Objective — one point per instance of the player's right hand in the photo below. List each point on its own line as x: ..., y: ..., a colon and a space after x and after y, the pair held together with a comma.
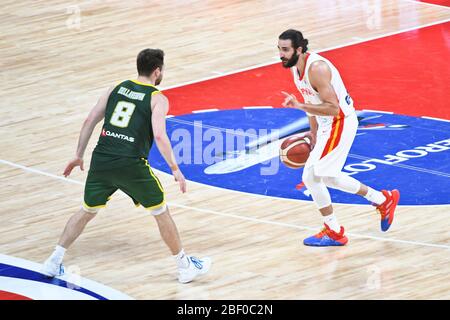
x: 76, y: 162
x: 312, y: 138
x: 290, y: 100
x: 180, y: 179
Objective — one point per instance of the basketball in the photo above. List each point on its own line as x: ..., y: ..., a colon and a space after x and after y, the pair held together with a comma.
x: 294, y: 151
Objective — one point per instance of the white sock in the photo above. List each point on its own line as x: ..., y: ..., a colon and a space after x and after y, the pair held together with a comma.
x: 182, y: 259
x: 58, y: 255
x: 332, y: 222
x: 375, y: 196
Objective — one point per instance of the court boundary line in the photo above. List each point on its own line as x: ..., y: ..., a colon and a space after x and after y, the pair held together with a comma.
x: 384, y: 35
x: 427, y: 4
x: 258, y: 220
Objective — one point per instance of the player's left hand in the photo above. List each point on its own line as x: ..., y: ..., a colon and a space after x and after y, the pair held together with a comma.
x: 76, y: 162
x: 290, y: 101
x: 179, y: 177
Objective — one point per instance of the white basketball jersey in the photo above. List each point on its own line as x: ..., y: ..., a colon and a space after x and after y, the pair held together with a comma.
x: 312, y: 96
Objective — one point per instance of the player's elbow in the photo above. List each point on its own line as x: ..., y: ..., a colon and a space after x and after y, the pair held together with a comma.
x: 159, y: 136
x: 90, y: 122
x: 93, y: 118
x: 334, y: 110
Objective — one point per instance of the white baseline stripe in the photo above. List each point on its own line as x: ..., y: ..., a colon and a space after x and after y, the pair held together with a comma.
x: 318, y: 51
x: 245, y: 218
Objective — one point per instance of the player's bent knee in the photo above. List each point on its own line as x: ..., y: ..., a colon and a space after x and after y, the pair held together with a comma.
x: 157, y: 211
x: 343, y: 182
x: 331, y: 182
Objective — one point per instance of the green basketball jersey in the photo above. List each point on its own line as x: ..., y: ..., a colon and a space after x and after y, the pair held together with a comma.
x: 127, y: 130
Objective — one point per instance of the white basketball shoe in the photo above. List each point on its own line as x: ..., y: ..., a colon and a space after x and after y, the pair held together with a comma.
x: 52, y: 269
x: 197, y: 267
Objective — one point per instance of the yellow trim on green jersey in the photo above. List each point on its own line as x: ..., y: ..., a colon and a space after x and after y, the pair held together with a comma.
x: 154, y: 177
x: 155, y: 92
x: 94, y: 207
x: 144, y: 84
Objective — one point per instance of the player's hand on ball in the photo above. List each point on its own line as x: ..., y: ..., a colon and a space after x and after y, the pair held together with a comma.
x: 312, y: 139
x: 180, y: 179
x: 76, y: 162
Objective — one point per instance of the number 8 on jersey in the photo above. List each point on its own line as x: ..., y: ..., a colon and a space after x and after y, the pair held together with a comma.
x: 122, y: 114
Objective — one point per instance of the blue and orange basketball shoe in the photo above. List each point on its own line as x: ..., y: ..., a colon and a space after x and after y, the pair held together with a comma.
x: 327, y: 238
x: 387, y: 208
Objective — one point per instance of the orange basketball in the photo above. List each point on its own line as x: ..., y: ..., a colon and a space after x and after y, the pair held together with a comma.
x: 294, y: 151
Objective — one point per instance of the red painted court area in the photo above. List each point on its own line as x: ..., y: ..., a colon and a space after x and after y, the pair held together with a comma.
x: 4, y: 295
x: 407, y: 73
x: 439, y: 2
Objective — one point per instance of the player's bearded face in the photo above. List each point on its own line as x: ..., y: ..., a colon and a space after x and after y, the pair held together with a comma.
x: 289, y: 63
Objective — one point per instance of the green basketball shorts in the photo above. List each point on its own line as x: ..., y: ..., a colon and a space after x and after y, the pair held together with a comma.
x: 137, y: 180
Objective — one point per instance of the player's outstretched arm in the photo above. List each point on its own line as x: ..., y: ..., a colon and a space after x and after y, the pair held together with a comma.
x: 95, y: 116
x: 160, y: 107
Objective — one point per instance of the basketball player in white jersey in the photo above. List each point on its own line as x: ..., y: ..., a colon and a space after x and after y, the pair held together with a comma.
x: 333, y: 124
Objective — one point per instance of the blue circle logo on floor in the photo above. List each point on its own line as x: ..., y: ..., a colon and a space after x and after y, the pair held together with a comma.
x: 238, y: 150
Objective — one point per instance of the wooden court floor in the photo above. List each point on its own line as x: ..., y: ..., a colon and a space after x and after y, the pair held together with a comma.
x: 56, y: 57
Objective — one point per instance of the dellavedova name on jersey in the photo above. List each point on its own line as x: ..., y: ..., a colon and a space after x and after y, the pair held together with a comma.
x: 131, y: 94
x: 116, y: 135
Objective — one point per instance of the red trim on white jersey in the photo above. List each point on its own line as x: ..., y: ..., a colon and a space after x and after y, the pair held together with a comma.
x: 302, y: 75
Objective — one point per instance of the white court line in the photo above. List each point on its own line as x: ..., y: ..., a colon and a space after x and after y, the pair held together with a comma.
x: 427, y: 4
x: 51, y: 175
x: 258, y: 107
x: 378, y: 111
x: 319, y: 51
x: 281, y: 224
x: 204, y: 110
x: 437, y: 119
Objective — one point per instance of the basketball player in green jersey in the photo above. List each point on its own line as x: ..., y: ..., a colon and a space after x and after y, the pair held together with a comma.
x: 135, y: 114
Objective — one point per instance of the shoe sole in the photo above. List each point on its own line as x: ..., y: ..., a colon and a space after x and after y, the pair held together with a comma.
x: 328, y: 245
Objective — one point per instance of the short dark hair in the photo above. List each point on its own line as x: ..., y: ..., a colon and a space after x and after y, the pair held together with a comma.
x: 148, y: 60
x: 296, y: 38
